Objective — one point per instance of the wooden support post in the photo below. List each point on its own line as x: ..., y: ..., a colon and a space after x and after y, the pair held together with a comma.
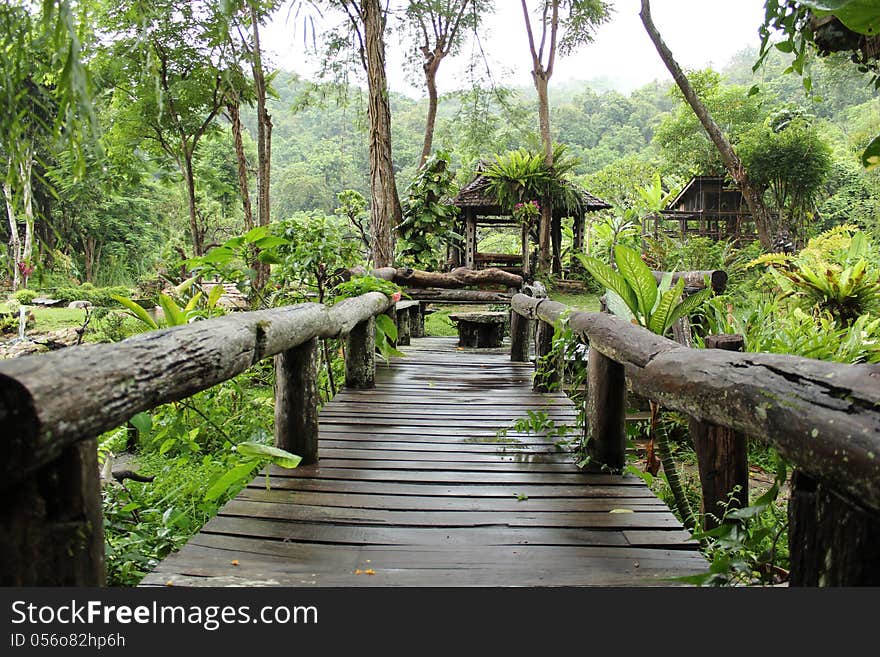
x: 403, y: 326
x: 520, y: 331
x: 831, y: 541
x: 360, y: 356
x: 470, y: 240
x: 131, y: 437
x: 606, y: 412
x: 548, y: 370
x: 722, y: 455
x: 296, y: 401
x: 53, y: 525
x: 416, y: 321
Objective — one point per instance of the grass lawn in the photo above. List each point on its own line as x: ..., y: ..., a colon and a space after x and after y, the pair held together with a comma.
x: 52, y: 319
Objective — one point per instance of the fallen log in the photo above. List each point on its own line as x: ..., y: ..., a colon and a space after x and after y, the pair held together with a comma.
x: 440, y: 295
x: 460, y: 277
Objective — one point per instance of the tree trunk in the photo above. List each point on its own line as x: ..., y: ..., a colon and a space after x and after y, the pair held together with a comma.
x: 545, y: 227
x: 264, y: 140
x: 431, y: 80
x: 14, y: 237
x: 241, y: 160
x: 195, y: 229
x: 27, y: 250
x: 385, y: 211
x: 752, y: 195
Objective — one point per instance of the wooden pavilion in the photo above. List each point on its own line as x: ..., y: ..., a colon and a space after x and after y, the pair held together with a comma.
x: 480, y: 208
x: 708, y: 206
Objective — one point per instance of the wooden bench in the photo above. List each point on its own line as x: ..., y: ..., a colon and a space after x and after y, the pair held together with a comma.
x: 480, y: 329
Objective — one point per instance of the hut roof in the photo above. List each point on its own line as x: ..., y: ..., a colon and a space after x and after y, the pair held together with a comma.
x: 720, y: 182
x: 476, y: 195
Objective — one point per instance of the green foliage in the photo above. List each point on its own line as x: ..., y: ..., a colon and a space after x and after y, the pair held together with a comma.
x: 25, y: 296
x: 429, y: 215
x: 835, y: 275
x: 787, y: 156
x: 749, y: 546
x: 635, y: 285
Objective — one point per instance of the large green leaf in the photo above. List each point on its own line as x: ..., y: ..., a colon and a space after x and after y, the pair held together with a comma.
x: 228, y: 479
x: 661, y: 319
x: 611, y: 279
x: 143, y: 422
x: 174, y: 316
x: 277, y: 455
x: 689, y: 305
x: 871, y: 156
x: 639, y: 277
x: 136, y: 310
x: 387, y: 326
x: 860, y: 16
x: 216, y: 292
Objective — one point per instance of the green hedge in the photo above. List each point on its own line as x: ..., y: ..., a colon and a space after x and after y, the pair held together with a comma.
x: 98, y: 296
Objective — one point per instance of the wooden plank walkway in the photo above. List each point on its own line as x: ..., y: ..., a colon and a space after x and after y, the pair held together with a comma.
x: 415, y: 488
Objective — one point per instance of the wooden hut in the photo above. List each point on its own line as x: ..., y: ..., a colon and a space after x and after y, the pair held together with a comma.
x: 480, y: 208
x: 709, y: 206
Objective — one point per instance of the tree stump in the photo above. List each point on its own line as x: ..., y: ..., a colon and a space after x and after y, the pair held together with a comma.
x: 480, y: 329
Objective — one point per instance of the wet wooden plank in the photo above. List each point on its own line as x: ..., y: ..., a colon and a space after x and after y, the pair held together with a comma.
x: 423, y: 481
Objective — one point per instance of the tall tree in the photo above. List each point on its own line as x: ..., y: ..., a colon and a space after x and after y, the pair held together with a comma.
x: 752, y: 194
x: 564, y: 26
x: 168, y: 56
x: 367, y: 20
x: 438, y: 26
x: 244, y: 32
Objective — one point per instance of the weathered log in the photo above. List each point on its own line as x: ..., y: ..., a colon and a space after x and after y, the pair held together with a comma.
x: 831, y: 541
x: 458, y: 296
x: 52, y: 523
x: 821, y: 416
x: 403, y: 326
x: 697, y: 279
x: 605, y: 429
x: 417, y: 320
x: 296, y: 401
x: 106, y: 384
x: 360, y: 356
x: 520, y: 332
x: 722, y: 455
x: 459, y: 277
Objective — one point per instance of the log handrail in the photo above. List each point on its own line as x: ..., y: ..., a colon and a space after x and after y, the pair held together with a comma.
x: 106, y: 384
x: 823, y: 417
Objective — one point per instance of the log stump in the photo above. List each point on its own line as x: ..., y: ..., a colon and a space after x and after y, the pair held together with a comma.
x: 481, y: 330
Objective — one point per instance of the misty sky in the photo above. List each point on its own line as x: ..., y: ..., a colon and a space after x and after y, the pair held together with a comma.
x: 699, y: 33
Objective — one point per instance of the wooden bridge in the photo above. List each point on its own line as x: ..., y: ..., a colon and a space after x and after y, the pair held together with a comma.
x: 414, y: 487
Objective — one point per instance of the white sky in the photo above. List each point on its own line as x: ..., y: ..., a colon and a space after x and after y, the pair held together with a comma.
x: 699, y: 33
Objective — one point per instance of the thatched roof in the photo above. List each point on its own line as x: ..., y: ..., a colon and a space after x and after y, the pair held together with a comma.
x: 476, y: 195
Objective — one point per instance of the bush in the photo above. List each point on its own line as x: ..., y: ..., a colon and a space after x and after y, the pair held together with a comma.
x: 25, y: 296
x: 97, y: 296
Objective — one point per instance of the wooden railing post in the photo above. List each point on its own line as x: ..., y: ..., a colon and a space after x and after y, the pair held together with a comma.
x: 404, y: 329
x: 831, y: 541
x: 296, y: 401
x: 606, y: 411
x: 520, y: 332
x: 417, y: 321
x: 548, y: 367
x: 722, y: 455
x: 360, y: 356
x: 53, y: 525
